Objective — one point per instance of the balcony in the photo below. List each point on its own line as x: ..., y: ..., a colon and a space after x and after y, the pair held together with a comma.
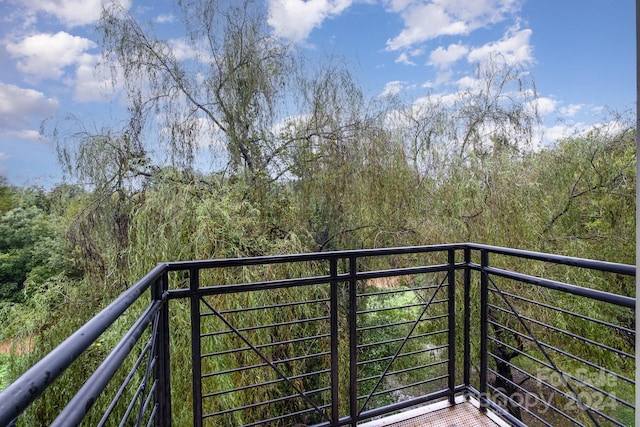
x: 462, y: 334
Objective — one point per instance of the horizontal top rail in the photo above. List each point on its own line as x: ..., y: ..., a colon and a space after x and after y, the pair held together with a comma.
x: 624, y: 269
x: 594, y: 294
x: 312, y: 256
x: 612, y: 267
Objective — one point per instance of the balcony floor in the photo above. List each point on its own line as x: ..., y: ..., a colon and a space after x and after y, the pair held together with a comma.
x: 463, y: 414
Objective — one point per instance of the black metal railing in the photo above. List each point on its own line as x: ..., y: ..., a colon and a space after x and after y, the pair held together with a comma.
x: 338, y: 338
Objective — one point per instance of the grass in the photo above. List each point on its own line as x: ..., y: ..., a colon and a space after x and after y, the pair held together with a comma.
x: 4, y: 370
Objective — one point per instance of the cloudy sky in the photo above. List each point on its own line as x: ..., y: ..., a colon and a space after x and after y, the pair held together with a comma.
x: 581, y: 54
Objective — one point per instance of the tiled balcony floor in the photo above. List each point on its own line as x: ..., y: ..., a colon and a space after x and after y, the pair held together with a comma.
x: 463, y: 414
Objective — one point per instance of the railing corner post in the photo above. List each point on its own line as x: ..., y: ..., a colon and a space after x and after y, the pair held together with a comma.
x: 162, y: 372
x: 484, y: 327
x: 452, y: 325
x: 467, y: 318
x: 194, y: 285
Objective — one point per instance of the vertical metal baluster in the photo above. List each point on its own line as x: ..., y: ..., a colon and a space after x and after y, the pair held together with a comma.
x: 335, y: 377
x: 353, y: 341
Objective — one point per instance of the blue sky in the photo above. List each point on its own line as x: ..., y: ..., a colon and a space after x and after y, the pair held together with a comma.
x: 581, y: 54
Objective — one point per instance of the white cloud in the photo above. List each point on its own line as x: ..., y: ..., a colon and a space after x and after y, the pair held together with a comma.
x: 398, y: 5
x: 72, y: 12
x: 444, y: 99
x: 444, y: 57
x: 165, y: 18
x: 424, y: 22
x: 53, y: 56
x: 514, y: 48
x: 427, y: 20
x: 93, y: 80
x: 47, y: 55
x: 481, y: 12
x: 403, y: 58
x: 469, y: 83
x: 543, y: 105
x: 553, y: 134
x: 392, y: 88
x: 443, y: 77
x: 19, y: 105
x: 567, y: 128
x: 295, y: 19
x: 20, y: 108
x: 571, y: 110
x: 26, y: 134
x: 183, y: 49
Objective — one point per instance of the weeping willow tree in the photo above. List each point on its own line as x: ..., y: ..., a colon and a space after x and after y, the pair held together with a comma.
x: 395, y: 172
x: 222, y: 82
x: 224, y: 87
x: 218, y: 87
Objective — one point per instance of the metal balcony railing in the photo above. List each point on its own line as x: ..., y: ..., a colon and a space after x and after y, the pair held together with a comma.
x: 338, y: 338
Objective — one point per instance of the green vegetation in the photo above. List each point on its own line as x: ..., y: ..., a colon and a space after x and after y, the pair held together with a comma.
x: 4, y: 371
x: 336, y: 172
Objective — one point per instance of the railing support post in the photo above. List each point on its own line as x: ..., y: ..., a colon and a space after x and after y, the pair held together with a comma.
x: 467, y: 317
x: 162, y: 371
x: 335, y: 362
x: 484, y: 329
x: 194, y: 285
x: 451, y: 291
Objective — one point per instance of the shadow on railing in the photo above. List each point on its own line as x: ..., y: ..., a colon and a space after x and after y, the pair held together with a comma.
x: 337, y: 338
